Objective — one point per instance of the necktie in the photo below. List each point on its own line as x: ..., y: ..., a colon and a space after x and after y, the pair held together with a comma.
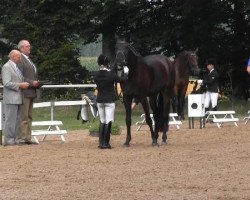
x: 32, y: 64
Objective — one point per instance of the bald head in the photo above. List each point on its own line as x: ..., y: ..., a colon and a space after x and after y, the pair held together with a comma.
x: 15, y: 56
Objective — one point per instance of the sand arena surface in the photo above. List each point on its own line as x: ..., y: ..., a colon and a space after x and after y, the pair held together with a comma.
x: 197, y: 164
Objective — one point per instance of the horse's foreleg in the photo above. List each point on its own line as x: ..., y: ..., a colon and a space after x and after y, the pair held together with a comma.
x: 182, y: 107
x: 182, y: 102
x: 179, y: 105
x: 128, y: 124
x: 127, y: 103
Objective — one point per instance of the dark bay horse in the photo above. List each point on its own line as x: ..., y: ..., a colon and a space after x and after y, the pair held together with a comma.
x: 185, y: 64
x: 152, y: 76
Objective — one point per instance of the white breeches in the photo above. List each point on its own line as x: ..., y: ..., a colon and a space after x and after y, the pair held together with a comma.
x: 211, y: 97
x: 106, y: 112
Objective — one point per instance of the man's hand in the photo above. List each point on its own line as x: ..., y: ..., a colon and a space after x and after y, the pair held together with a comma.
x: 24, y: 85
x: 35, y: 84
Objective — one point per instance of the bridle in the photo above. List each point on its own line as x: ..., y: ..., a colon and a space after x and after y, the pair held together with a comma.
x: 122, y: 58
x: 192, y: 70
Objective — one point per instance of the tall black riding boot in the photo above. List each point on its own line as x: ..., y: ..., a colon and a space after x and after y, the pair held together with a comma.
x: 106, y: 138
x: 215, y: 108
x: 101, y: 134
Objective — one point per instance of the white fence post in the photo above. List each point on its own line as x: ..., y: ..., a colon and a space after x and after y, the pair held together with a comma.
x: 52, y: 110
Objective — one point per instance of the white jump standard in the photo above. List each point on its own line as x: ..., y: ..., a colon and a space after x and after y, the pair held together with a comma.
x: 172, y: 121
x: 51, y: 128
x: 220, y: 117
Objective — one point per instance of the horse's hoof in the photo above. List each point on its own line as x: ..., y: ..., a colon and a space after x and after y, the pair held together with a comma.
x: 155, y: 144
x: 164, y: 143
x: 126, y: 144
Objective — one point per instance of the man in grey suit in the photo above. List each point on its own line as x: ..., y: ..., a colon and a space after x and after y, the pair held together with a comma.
x: 12, y: 97
x: 29, y: 72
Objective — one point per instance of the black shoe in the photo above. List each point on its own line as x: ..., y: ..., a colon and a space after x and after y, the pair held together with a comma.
x: 106, y: 146
x: 7, y: 144
x: 29, y: 142
x: 21, y: 144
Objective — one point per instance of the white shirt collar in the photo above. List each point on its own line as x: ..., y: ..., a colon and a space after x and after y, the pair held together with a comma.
x: 211, y: 70
x: 104, y: 68
x: 25, y: 55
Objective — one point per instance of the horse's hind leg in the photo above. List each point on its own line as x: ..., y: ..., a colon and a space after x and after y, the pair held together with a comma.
x: 145, y: 106
x: 164, y: 135
x: 166, y: 109
x: 127, y: 103
x: 154, y: 133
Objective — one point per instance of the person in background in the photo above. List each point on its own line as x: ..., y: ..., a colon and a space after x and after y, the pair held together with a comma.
x: 13, y: 85
x: 248, y: 66
x: 105, y: 80
x: 30, y: 75
x: 211, y: 85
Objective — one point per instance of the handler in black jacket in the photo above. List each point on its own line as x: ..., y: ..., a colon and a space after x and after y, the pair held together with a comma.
x: 105, y: 80
x: 211, y: 83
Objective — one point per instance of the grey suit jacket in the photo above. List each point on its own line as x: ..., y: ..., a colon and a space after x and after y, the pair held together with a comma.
x: 12, y: 94
x: 30, y: 75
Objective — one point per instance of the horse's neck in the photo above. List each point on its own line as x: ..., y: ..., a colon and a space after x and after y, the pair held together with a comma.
x: 182, y: 65
x: 182, y: 71
x: 133, y: 61
x: 141, y: 66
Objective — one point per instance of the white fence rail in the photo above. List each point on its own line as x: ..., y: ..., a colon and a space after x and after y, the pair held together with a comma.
x: 51, y: 103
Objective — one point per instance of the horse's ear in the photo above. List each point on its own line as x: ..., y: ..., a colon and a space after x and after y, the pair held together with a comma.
x: 119, y: 39
x: 196, y: 50
x: 128, y: 38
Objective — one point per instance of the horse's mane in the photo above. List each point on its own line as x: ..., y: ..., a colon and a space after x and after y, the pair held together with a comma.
x: 133, y: 50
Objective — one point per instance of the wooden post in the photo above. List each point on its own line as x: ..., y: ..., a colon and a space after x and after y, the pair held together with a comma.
x: 1, y: 116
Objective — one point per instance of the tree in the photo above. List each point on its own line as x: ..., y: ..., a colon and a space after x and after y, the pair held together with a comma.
x: 53, y: 28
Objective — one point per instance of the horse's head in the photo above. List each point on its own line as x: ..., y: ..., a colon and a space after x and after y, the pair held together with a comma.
x: 121, y: 53
x: 192, y: 60
x: 125, y: 55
